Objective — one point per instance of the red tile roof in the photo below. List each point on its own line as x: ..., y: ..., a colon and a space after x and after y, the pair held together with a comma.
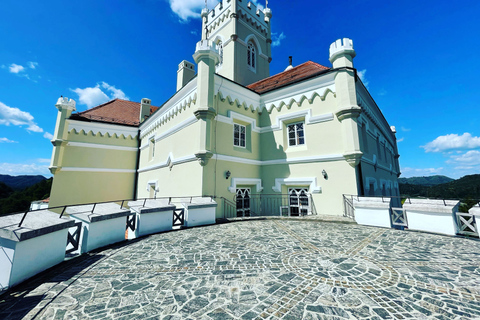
x: 116, y: 111
x: 305, y: 70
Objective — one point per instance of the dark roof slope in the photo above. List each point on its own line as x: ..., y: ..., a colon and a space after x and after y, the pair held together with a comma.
x: 305, y: 70
x: 116, y: 111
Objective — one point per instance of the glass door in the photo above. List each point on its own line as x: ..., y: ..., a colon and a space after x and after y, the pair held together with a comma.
x: 243, y: 202
x: 298, y: 201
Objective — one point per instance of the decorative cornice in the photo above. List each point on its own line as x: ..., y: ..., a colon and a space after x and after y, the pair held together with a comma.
x: 245, y: 181
x: 203, y: 157
x: 182, y: 100
x: 102, y: 128
x: 311, y: 181
x: 205, y: 113
x: 353, y: 158
x: 348, y: 113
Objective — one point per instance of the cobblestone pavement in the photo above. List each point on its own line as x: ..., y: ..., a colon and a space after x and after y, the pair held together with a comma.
x: 262, y: 269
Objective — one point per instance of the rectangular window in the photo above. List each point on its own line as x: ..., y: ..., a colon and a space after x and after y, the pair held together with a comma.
x: 239, y: 135
x: 296, y: 134
x: 152, y: 148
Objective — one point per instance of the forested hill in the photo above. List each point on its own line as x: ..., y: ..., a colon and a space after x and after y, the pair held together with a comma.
x: 426, y: 181
x: 15, y: 201
x: 467, y: 187
x: 20, y: 182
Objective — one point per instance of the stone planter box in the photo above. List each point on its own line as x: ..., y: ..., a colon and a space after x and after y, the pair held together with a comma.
x: 432, y: 215
x: 199, y: 212
x: 37, y: 245
x: 104, y: 226
x: 372, y: 211
x: 152, y: 216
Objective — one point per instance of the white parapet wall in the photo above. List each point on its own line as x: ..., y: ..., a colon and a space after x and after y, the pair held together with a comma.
x: 199, y: 211
x: 432, y: 215
x: 102, y: 224
x: 37, y: 245
x: 475, y: 211
x: 152, y: 216
x: 372, y: 211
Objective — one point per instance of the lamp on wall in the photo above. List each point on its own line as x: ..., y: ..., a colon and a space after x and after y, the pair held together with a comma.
x: 228, y: 174
x: 325, y: 175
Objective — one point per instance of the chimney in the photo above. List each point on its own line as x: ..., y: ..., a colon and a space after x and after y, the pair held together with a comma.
x: 290, y: 65
x: 185, y: 73
x: 145, y: 109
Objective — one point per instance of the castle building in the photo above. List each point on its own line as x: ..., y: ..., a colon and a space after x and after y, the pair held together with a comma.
x: 231, y: 130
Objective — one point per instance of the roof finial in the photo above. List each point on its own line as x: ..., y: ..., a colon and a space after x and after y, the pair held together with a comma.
x: 206, y: 4
x: 266, y: 4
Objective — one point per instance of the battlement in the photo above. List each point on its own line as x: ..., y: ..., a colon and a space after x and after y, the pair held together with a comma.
x: 340, y: 46
x: 242, y: 5
x: 64, y: 102
x: 204, y: 45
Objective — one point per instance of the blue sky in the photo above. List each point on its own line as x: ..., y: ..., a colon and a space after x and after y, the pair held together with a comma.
x: 418, y: 59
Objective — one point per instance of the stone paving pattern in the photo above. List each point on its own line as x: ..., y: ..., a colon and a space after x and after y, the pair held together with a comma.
x: 262, y: 269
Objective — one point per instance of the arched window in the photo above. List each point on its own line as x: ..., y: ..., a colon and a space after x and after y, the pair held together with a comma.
x: 251, y: 56
x: 220, y: 52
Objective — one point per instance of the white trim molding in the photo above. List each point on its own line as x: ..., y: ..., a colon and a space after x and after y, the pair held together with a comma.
x: 100, y: 146
x: 322, y: 158
x: 245, y: 181
x: 104, y: 170
x: 170, y: 162
x: 152, y: 183
x: 312, y: 182
x: 305, y: 114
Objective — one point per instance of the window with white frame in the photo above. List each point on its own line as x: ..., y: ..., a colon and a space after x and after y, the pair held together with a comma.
x: 251, y: 56
x: 239, y: 134
x: 296, y: 135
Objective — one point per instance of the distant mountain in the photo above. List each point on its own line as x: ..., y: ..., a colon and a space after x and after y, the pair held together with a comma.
x: 19, y: 201
x: 425, y: 181
x: 20, y: 182
x: 465, y: 189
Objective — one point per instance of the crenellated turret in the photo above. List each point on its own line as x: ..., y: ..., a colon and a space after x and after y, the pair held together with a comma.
x: 65, y: 108
x: 341, y: 57
x: 243, y: 32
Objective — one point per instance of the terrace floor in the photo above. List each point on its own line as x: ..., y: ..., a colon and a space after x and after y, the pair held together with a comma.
x: 262, y: 269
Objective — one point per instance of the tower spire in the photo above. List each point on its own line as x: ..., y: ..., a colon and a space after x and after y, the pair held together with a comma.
x: 266, y: 4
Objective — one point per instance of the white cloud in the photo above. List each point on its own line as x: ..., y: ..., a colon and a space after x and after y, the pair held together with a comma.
x: 94, y: 96
x: 6, y: 140
x: 400, y: 140
x: 17, y: 117
x: 186, y: 9
x: 32, y: 65
x: 470, y: 158
x: 361, y: 75
x: 415, y: 172
x: 405, y: 129
x: 452, y: 142
x: 48, y: 135
x: 16, y: 68
x: 37, y: 166
x: 277, y: 40
x: 115, y: 93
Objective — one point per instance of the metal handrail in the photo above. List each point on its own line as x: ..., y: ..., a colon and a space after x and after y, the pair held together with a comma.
x: 64, y: 207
